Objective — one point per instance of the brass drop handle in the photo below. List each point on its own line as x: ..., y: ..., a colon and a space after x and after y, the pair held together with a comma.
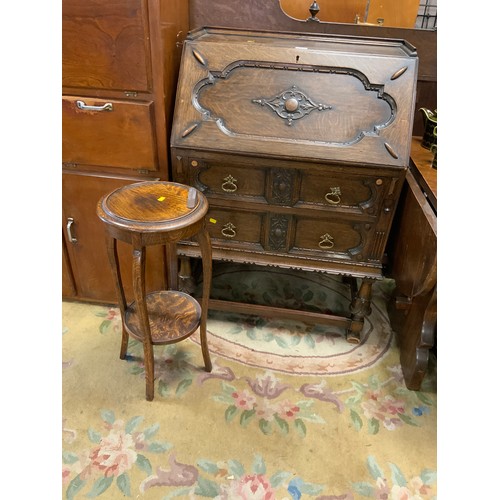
x: 105, y: 107
x: 229, y: 184
x: 333, y: 196
x: 229, y: 230
x: 326, y: 242
x: 69, y: 223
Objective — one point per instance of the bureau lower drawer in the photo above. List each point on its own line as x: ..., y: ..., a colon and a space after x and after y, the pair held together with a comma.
x: 328, y: 237
x: 110, y: 133
x: 282, y: 233
x: 236, y: 228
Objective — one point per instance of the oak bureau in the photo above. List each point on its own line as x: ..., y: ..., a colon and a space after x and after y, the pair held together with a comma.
x: 301, y: 143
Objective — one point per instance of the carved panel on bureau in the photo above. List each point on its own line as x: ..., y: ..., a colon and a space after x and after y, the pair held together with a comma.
x: 300, y: 143
x: 282, y: 182
x: 278, y: 232
x: 228, y: 97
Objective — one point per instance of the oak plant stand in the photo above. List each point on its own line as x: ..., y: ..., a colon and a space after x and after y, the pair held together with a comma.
x: 157, y: 213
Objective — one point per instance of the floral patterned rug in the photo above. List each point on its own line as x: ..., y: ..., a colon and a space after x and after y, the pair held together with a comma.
x: 289, y: 411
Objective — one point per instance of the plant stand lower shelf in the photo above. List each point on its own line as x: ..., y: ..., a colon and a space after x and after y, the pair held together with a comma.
x: 173, y: 316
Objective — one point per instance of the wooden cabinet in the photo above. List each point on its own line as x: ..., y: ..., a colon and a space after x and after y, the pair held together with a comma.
x: 413, y: 256
x: 85, y: 245
x: 301, y: 144
x: 120, y: 62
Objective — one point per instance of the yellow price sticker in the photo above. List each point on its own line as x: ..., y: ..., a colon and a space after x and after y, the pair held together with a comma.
x: 213, y: 221
x: 161, y: 198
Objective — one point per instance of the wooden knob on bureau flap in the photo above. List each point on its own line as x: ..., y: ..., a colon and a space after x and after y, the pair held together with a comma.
x: 291, y: 104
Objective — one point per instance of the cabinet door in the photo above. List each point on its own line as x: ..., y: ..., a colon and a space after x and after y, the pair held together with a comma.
x: 84, y: 233
x: 120, y: 137
x: 105, y: 45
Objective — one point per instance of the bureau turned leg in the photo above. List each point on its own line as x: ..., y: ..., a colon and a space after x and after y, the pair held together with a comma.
x: 171, y: 264
x: 187, y: 283
x: 360, y: 308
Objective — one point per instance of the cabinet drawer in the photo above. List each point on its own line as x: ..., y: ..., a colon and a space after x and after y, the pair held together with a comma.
x: 105, y: 45
x: 225, y: 178
x: 236, y: 228
x: 359, y: 194
x: 117, y: 134
x: 329, y: 237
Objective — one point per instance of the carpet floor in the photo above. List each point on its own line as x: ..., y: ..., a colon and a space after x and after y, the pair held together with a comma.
x: 289, y: 410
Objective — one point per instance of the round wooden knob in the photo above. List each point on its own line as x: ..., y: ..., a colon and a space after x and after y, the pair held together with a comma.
x: 291, y: 105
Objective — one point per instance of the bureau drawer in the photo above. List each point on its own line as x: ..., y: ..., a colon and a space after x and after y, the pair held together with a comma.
x: 328, y: 237
x: 358, y: 194
x: 225, y: 178
x: 236, y: 228
x: 110, y: 133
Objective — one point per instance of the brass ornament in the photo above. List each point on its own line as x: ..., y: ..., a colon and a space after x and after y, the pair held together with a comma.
x: 291, y: 104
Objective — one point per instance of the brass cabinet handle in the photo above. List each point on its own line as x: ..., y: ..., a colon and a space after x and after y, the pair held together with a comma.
x: 229, y: 184
x: 326, y: 242
x: 105, y: 107
x: 333, y: 196
x: 69, y: 223
x: 229, y: 230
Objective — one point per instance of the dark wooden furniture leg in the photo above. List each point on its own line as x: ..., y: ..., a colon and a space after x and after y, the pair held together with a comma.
x: 186, y: 280
x: 171, y: 266
x: 111, y: 244
x: 417, y: 337
x: 360, y: 308
x: 138, y: 274
x: 206, y: 257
